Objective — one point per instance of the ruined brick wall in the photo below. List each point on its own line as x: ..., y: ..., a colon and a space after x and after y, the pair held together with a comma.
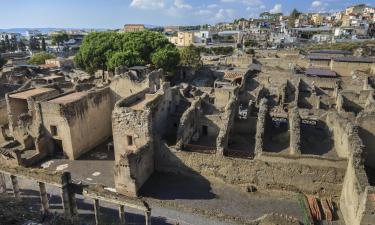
x: 342, y: 130
x: 81, y: 125
x: 261, y: 126
x: 295, y: 132
x: 308, y: 175
x: 355, y: 200
x: 189, y: 123
x: 345, y: 68
x: 133, y: 161
x: 225, y: 128
x: 366, y: 123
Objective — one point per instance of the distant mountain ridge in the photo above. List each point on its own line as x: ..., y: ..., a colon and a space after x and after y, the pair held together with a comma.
x: 44, y: 30
x: 47, y: 30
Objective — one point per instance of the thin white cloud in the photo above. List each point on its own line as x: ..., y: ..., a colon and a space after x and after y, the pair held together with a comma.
x: 148, y: 4
x: 278, y: 8
x: 180, y: 4
x: 316, y: 4
x: 203, y: 12
x: 246, y: 2
x: 211, y: 6
x: 319, y: 6
x: 225, y: 14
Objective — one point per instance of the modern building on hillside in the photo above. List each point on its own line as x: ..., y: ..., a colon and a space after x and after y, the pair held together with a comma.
x: 133, y: 27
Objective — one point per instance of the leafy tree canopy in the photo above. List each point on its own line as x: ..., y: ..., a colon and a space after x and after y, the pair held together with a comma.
x: 40, y: 58
x: 59, y: 38
x: 191, y: 56
x: 2, y: 62
x: 108, y: 50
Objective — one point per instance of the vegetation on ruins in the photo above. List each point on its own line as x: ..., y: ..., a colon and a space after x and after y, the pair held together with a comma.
x: 58, y: 39
x: 40, y: 58
x: 108, y: 50
x: 223, y: 50
x: 348, y: 46
x: 191, y: 56
x: 251, y: 43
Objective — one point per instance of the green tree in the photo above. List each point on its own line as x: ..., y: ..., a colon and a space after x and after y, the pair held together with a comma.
x: 167, y: 58
x: 44, y: 48
x: 34, y: 44
x: 58, y: 39
x: 250, y: 43
x: 127, y: 58
x: 108, y: 50
x: 2, y: 62
x: 40, y: 58
x: 191, y: 57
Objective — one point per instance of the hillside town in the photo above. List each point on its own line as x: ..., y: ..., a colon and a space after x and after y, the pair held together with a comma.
x: 260, y: 121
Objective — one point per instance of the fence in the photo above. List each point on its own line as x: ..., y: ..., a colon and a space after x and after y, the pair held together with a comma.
x: 68, y: 192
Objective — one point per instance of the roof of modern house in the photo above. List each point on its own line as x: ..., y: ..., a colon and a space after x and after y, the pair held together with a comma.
x: 320, y: 72
x: 354, y: 59
x: 330, y: 51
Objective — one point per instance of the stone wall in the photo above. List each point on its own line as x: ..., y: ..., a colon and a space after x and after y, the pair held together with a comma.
x: 189, y: 124
x: 261, y: 127
x: 366, y: 123
x: 342, y: 129
x: 308, y: 175
x: 355, y: 200
x: 345, y: 68
x: 81, y: 125
x: 295, y: 132
x: 226, y: 126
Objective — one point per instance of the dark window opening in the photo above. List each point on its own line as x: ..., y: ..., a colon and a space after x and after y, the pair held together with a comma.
x: 54, y: 130
x: 130, y: 140
x: 205, y: 130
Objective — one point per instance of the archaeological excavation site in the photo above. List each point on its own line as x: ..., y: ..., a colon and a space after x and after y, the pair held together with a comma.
x: 277, y: 137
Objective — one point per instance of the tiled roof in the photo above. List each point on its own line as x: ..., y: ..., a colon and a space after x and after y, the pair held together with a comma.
x: 354, y: 59
x: 233, y: 74
x: 320, y: 72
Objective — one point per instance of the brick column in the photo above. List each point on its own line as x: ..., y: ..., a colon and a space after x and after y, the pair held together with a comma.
x: 68, y: 197
x: 148, y: 217
x: 97, y: 211
x: 15, y: 186
x: 121, y: 213
x: 3, y: 184
x: 43, y: 197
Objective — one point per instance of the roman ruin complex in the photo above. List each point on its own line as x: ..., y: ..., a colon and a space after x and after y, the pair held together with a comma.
x: 255, y: 123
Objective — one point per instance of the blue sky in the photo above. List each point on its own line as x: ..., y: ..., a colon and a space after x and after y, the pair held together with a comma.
x: 115, y: 13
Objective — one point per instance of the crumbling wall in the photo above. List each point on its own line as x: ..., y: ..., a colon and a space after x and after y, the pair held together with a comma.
x: 3, y: 112
x: 223, y: 96
x: 132, y: 169
x: 225, y: 128
x: 261, y: 126
x: 81, y: 125
x: 189, y: 123
x: 308, y: 175
x: 345, y: 69
x: 342, y: 129
x: 355, y: 200
x: 366, y: 123
x: 295, y: 132
x: 123, y: 86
